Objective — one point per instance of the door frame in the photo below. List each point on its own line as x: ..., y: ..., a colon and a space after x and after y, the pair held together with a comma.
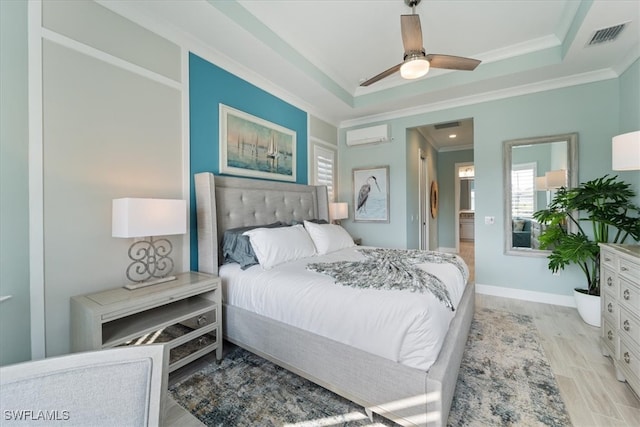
x: 456, y: 171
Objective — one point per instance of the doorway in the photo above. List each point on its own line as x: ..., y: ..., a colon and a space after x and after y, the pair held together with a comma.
x: 424, y: 199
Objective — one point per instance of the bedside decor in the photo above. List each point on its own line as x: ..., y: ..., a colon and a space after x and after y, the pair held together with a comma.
x: 140, y: 218
x: 251, y: 146
x: 338, y: 211
x: 371, y: 194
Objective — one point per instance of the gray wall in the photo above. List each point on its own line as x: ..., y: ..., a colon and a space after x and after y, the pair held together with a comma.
x: 14, y: 179
x: 108, y: 132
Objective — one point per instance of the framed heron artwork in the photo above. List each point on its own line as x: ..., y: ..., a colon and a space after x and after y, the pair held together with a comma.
x: 371, y: 194
x: 254, y: 147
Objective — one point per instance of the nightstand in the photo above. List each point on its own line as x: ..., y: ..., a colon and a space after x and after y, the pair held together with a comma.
x: 185, y: 315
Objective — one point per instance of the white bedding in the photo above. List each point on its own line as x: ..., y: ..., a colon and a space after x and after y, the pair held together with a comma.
x: 402, y: 326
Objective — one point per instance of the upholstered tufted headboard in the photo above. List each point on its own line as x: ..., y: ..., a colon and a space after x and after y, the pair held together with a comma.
x: 227, y: 202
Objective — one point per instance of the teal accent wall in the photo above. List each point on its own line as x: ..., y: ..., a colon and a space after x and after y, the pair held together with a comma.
x: 210, y: 85
x: 592, y: 110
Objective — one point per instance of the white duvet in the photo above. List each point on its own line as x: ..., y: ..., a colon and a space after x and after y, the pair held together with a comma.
x: 402, y: 326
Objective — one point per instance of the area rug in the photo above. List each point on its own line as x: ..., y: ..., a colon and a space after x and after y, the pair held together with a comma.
x: 504, y: 380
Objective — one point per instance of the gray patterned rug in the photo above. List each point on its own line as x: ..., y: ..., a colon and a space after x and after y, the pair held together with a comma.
x: 505, y: 380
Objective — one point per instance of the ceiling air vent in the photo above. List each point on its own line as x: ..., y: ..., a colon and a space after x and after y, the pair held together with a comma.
x: 439, y: 126
x: 606, y: 34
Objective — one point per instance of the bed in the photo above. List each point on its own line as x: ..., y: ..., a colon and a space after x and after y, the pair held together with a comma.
x: 402, y: 393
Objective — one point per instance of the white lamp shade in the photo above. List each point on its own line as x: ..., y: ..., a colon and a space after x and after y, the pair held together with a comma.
x: 625, y: 152
x: 556, y: 179
x: 541, y: 183
x: 414, y: 67
x: 148, y: 217
x: 338, y: 211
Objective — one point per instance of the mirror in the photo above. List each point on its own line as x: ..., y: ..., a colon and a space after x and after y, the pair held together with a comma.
x: 534, y: 168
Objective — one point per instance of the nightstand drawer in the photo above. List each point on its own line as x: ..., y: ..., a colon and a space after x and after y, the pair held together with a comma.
x: 184, y: 353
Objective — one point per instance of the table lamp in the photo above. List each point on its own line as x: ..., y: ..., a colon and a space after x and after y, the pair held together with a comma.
x: 338, y: 211
x: 146, y: 218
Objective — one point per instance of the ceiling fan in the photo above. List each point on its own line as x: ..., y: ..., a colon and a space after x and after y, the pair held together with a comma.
x: 416, y: 63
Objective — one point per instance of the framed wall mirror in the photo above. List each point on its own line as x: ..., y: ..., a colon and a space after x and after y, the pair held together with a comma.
x: 534, y: 168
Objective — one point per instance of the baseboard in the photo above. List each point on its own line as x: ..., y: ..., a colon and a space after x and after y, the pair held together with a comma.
x: 521, y: 294
x: 448, y: 250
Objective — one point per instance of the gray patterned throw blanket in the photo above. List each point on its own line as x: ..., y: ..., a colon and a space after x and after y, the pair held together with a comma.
x: 393, y: 269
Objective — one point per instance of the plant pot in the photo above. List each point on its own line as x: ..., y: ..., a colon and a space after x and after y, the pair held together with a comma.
x: 588, y: 306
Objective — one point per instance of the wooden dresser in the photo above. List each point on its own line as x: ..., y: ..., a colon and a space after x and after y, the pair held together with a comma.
x: 620, y: 307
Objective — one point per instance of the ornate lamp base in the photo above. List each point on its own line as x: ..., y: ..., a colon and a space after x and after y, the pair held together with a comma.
x: 151, y: 263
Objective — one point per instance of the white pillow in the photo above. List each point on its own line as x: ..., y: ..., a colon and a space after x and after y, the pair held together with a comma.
x: 328, y: 237
x: 274, y: 246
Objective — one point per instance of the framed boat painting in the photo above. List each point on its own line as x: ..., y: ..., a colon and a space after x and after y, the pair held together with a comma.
x: 254, y: 147
x: 371, y: 194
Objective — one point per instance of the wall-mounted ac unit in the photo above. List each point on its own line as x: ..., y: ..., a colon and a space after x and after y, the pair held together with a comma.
x: 368, y: 135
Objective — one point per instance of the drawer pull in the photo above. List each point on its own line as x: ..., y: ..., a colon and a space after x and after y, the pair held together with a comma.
x: 202, y: 320
x: 627, y: 357
x: 607, y: 259
x: 623, y: 268
x: 610, y: 308
x: 610, y: 335
x: 609, y: 281
x: 626, y: 294
x: 626, y: 326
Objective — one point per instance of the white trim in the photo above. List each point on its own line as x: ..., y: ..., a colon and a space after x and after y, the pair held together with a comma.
x: 447, y: 250
x: 108, y: 58
x: 186, y: 161
x: 456, y: 180
x: 196, y: 46
x: 524, y: 295
x: 36, y: 184
x: 562, y: 82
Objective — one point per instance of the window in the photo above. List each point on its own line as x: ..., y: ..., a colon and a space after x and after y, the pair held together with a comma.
x: 324, y: 168
x: 523, y: 194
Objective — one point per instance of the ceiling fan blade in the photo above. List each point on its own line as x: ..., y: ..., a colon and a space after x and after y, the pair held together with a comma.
x: 452, y: 62
x: 411, y: 33
x: 381, y: 76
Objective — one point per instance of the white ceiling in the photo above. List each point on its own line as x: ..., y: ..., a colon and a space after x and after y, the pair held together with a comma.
x: 315, y: 53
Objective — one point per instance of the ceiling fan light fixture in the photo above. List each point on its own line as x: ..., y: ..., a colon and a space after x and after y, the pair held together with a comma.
x: 414, y: 67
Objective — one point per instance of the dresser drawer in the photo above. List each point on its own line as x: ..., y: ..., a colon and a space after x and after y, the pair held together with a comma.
x: 608, y: 259
x: 629, y: 295
x: 610, y: 338
x: 629, y: 269
x: 629, y: 325
x: 610, y: 308
x: 629, y: 358
x: 609, y: 282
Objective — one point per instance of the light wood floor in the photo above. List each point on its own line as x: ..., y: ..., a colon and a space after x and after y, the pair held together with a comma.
x: 593, y: 396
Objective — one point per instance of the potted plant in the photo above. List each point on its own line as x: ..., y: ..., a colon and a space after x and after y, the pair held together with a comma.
x: 605, y: 204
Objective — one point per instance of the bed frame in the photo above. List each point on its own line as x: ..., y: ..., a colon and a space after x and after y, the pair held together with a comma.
x: 408, y: 396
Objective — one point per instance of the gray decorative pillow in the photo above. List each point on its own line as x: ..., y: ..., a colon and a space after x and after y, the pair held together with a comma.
x: 237, y: 248
x: 518, y: 224
x: 315, y: 221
